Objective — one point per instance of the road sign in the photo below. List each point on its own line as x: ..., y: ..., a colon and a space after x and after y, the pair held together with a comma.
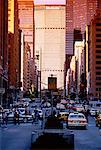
x: 2, y: 90
x: 52, y: 83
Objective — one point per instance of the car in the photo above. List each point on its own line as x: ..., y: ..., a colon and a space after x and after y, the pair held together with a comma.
x: 26, y: 104
x: 63, y: 116
x: 79, y: 108
x: 11, y: 117
x: 40, y: 112
x: 60, y: 106
x: 93, y: 111
x: 98, y: 120
x: 77, y: 119
x: 21, y: 111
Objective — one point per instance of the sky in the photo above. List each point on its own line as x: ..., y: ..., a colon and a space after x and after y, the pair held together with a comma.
x: 49, y: 1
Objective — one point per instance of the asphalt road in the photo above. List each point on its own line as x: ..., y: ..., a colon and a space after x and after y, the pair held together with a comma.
x: 89, y: 139
x: 18, y: 137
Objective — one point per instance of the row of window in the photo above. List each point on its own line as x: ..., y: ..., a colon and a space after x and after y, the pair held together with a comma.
x: 54, y: 70
x: 98, y: 40
x: 49, y: 28
x: 98, y: 56
x: 98, y: 62
x: 98, y: 46
x: 98, y: 68
x: 98, y: 89
x: 98, y: 51
x: 98, y: 73
x: 98, y: 35
x: 98, y: 78
x: 98, y: 24
x: 98, y: 83
x: 98, y: 29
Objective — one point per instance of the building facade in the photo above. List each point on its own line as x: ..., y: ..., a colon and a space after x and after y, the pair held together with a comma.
x: 3, y: 50
x: 26, y: 20
x: 50, y: 42
x: 95, y: 55
x: 13, y: 44
x: 26, y: 68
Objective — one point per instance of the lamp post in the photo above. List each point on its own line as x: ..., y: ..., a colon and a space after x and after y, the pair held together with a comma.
x: 39, y: 65
x: 40, y: 70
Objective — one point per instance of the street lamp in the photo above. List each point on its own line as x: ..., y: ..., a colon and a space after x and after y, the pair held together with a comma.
x: 39, y: 61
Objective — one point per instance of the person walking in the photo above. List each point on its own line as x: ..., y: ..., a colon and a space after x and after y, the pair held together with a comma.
x: 33, y: 118
x: 5, y: 118
x: 16, y: 117
x: 100, y: 129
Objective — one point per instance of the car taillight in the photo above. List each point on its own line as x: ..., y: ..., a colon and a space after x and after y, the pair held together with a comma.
x: 70, y: 121
x: 83, y: 121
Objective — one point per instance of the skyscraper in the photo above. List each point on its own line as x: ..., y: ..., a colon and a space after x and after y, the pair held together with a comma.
x: 3, y: 48
x: 83, y: 12
x: 95, y: 55
x: 50, y: 42
x: 69, y: 27
x: 13, y: 28
x: 26, y: 20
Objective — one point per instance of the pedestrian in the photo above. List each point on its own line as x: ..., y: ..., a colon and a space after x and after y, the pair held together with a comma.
x: 96, y: 114
x: 16, y: 117
x: 5, y: 118
x: 40, y: 120
x: 33, y: 118
x: 100, y: 129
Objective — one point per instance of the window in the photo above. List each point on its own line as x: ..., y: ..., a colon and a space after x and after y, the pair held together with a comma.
x: 98, y: 78
x: 98, y: 56
x: 98, y: 68
x: 98, y: 62
x: 98, y: 83
x: 98, y: 40
x: 98, y: 73
x: 98, y: 35
x: 98, y: 51
x: 98, y: 46
x: 98, y: 29
x: 98, y: 24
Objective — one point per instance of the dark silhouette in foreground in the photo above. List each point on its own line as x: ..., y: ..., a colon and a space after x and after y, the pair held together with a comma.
x: 54, y: 137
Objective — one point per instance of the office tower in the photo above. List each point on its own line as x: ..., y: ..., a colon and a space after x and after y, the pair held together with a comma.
x: 95, y: 55
x: 26, y: 20
x: 27, y: 68
x: 3, y: 50
x: 50, y: 42
x: 83, y: 12
x: 69, y: 27
x: 13, y: 44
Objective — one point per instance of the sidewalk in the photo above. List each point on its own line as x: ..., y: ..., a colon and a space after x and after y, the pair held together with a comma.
x: 16, y: 137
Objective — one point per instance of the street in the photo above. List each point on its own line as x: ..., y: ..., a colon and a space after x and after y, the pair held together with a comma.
x: 18, y: 137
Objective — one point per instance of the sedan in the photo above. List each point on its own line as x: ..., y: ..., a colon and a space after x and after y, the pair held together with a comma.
x: 77, y: 120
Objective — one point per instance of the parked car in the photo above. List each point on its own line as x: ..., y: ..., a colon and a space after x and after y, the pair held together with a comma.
x: 79, y: 108
x: 77, y: 119
x: 98, y: 120
x: 21, y: 111
x: 93, y: 111
x: 63, y: 116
